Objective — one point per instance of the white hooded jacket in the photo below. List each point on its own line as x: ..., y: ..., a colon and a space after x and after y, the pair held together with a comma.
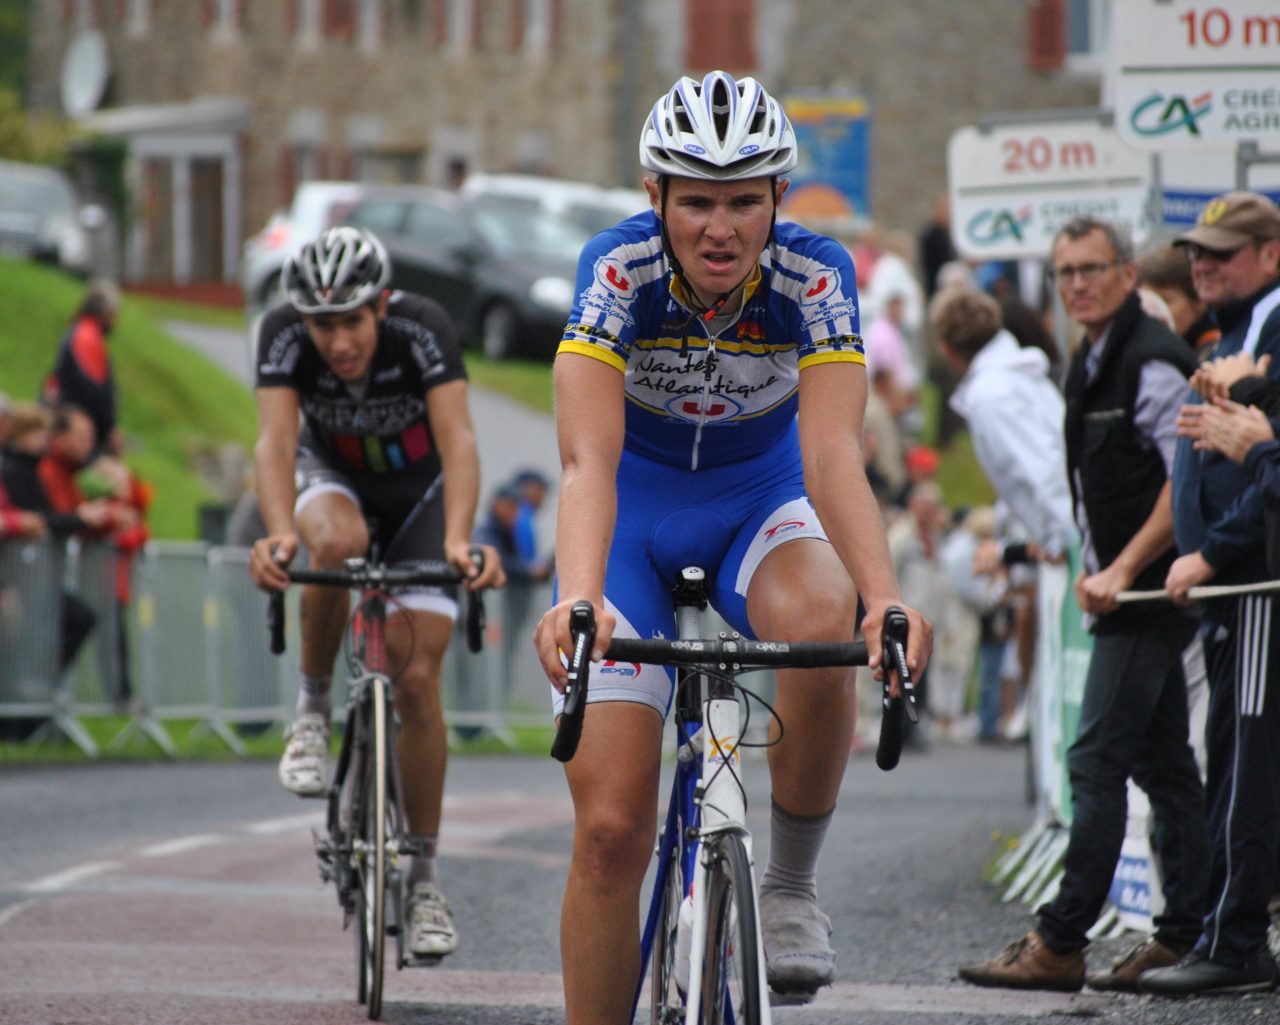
x: 1015, y: 417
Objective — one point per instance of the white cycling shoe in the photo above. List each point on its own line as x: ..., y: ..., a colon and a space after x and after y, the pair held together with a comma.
x: 431, y: 929
x: 306, y: 749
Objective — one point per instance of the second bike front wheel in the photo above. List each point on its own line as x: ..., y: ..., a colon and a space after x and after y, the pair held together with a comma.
x: 372, y: 899
x: 731, y: 968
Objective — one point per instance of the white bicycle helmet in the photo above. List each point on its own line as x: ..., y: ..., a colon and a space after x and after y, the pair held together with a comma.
x: 719, y: 128
x: 343, y: 268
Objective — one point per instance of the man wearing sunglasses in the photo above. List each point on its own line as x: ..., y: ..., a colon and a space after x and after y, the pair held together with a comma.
x: 1219, y: 522
x: 1123, y: 390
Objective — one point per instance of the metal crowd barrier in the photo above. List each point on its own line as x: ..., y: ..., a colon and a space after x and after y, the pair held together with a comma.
x: 195, y: 648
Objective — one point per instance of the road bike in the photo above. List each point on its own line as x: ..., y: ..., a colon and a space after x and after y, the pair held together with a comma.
x: 702, y: 926
x: 366, y: 831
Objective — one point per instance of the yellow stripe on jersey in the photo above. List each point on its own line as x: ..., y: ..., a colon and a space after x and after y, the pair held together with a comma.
x: 595, y: 351
x: 833, y: 356
x: 728, y: 346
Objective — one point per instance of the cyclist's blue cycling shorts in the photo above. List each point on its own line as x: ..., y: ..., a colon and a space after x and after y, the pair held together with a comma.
x: 725, y: 519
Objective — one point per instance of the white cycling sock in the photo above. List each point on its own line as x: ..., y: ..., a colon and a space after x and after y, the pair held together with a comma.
x: 795, y: 842
x: 422, y: 867
x: 313, y: 696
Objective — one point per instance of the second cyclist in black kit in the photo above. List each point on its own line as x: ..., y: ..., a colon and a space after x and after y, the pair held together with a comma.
x: 363, y: 417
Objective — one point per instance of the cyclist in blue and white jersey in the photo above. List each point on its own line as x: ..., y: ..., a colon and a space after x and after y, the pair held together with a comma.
x: 709, y: 389
x: 363, y: 418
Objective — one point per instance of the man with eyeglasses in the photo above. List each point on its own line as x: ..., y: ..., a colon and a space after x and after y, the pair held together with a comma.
x: 1123, y: 390
x: 1219, y: 516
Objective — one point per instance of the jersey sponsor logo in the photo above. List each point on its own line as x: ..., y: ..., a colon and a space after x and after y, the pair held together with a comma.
x: 599, y: 305
x: 785, y: 527
x: 827, y: 311
x: 630, y: 670
x: 822, y: 284
x: 613, y: 275
x: 710, y: 410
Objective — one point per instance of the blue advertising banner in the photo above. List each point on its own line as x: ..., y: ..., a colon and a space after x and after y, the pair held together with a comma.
x: 832, y: 178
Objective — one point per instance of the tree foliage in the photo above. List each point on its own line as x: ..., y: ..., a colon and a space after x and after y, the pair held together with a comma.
x: 35, y: 139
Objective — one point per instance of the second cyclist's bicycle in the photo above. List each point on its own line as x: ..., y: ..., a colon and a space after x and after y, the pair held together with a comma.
x: 366, y: 831
x: 701, y: 940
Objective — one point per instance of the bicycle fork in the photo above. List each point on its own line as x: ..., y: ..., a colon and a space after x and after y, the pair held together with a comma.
x: 715, y: 803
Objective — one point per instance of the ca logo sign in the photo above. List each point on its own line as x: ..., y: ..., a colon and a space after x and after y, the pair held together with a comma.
x: 1158, y: 115
x: 990, y: 226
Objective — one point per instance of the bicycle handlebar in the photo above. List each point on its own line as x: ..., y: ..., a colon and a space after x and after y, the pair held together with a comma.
x: 360, y: 574
x: 738, y: 653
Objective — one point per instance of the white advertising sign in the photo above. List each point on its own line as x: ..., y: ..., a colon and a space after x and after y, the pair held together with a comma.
x: 1189, y: 74
x: 1013, y: 186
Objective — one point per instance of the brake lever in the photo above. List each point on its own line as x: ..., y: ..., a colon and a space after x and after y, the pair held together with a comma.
x: 582, y: 627
x: 475, y: 607
x: 896, y: 709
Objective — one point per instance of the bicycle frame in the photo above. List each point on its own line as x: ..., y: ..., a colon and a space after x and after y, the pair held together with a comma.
x: 704, y: 837
x: 706, y: 798
x: 366, y: 822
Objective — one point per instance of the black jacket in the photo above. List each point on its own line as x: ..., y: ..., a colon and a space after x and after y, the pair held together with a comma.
x: 1120, y: 473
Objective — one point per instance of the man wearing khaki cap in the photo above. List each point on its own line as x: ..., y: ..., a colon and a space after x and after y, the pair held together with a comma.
x: 1218, y: 515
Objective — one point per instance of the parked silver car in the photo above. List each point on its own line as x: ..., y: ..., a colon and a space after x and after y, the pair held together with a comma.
x: 42, y: 219
x: 316, y: 205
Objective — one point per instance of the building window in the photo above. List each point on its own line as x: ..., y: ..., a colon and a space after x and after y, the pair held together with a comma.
x: 1088, y: 32
x: 456, y: 32
x: 81, y: 14
x: 535, y: 24
x: 340, y: 19
x: 370, y: 28
x: 137, y: 14
x: 304, y: 21
x: 720, y: 34
x: 222, y: 17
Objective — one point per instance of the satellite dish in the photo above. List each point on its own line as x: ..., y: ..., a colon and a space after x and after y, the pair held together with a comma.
x: 84, y: 73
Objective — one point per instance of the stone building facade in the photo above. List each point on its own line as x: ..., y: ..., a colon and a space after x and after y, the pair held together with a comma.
x: 226, y: 104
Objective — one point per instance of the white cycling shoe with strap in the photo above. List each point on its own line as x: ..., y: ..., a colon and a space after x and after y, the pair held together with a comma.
x: 306, y: 750
x: 431, y: 929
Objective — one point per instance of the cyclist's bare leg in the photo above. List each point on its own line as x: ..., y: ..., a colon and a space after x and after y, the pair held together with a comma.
x: 613, y: 780
x: 422, y: 637
x: 333, y: 530
x: 801, y: 592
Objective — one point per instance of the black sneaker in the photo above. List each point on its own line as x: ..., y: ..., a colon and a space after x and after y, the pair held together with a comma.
x: 1196, y: 974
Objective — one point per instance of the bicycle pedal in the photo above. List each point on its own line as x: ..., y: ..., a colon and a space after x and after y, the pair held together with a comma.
x: 412, y: 960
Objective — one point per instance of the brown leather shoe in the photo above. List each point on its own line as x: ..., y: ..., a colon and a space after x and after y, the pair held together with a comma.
x: 1028, y: 964
x: 1123, y: 976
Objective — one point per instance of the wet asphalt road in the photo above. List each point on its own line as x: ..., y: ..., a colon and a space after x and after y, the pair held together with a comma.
x: 187, y: 893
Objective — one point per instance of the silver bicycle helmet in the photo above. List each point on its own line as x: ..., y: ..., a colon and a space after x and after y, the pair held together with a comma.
x: 719, y: 128
x: 341, y: 269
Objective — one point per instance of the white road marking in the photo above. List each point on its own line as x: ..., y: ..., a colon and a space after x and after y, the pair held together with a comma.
x: 9, y: 913
x: 270, y: 827
x: 179, y: 846
x: 61, y: 880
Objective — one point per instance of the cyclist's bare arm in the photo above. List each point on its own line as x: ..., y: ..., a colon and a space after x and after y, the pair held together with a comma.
x: 274, y: 461
x: 833, y: 397
x: 451, y: 426
x: 590, y: 423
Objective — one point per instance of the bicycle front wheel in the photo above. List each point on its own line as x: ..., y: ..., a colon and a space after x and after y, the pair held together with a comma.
x: 665, y: 998
x: 371, y: 826
x: 731, y: 969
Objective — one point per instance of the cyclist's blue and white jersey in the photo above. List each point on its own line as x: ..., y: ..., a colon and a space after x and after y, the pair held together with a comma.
x: 696, y: 401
